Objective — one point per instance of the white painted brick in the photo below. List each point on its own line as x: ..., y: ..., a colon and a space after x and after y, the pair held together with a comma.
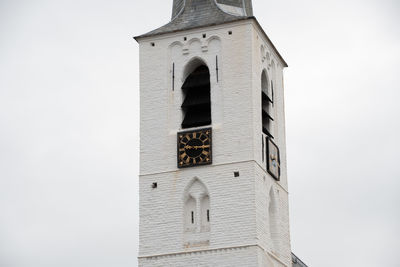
x: 239, y: 231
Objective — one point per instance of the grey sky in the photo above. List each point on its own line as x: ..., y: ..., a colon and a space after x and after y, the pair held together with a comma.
x: 69, y: 129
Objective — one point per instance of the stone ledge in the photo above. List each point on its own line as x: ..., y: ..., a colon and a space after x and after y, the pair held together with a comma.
x: 202, y: 251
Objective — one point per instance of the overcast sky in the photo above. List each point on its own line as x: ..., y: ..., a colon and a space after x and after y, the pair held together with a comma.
x: 69, y: 121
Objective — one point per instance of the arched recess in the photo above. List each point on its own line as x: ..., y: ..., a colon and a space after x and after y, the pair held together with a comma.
x: 262, y: 51
x: 175, y: 50
x: 194, y: 45
x: 268, y: 57
x: 266, y: 105
x: 196, y: 105
x: 273, y: 215
x: 197, y: 207
x: 214, y: 45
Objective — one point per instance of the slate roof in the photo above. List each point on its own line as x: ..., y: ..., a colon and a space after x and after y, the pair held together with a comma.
x: 197, y: 13
x: 190, y: 14
x: 297, y: 262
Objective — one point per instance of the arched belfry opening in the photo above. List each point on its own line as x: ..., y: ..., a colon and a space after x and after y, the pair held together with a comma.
x: 196, y: 106
x: 267, y: 96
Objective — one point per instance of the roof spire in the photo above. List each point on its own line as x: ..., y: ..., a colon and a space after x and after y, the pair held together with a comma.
x: 189, y: 14
x: 234, y: 7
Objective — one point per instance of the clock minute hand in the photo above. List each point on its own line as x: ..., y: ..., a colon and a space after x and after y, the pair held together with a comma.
x: 196, y: 147
x: 203, y: 146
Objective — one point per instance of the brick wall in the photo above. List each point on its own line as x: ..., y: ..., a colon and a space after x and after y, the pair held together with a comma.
x: 239, y: 231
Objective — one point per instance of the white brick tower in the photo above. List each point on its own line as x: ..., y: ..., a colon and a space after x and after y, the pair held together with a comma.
x: 213, y: 182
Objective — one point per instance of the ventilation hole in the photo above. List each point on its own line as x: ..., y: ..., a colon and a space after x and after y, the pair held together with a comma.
x: 230, y: 32
x: 204, y: 35
x: 184, y: 38
x: 192, y: 217
x: 236, y: 174
x: 208, y: 215
x: 152, y: 44
x: 154, y: 185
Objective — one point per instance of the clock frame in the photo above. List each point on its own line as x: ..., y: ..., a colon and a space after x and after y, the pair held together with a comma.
x: 273, y: 159
x: 194, y: 148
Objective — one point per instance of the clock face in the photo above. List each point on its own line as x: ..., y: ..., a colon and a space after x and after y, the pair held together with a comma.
x: 273, y: 160
x: 194, y: 148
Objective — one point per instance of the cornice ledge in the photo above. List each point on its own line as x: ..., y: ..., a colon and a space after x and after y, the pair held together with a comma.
x: 191, y: 252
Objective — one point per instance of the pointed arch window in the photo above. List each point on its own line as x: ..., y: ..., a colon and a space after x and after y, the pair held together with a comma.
x: 196, y: 105
x: 267, y: 96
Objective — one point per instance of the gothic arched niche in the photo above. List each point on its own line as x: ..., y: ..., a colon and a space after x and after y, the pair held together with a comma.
x: 262, y: 51
x: 268, y: 57
x: 214, y: 44
x: 273, y: 215
x: 196, y: 105
x: 196, y: 207
x: 194, y: 45
x: 176, y: 49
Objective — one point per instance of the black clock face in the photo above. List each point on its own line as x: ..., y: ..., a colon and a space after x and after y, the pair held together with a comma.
x: 194, y: 148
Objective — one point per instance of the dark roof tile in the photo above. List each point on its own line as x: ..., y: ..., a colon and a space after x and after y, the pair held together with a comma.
x: 199, y: 13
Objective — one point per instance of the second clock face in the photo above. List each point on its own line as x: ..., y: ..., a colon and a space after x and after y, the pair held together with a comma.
x: 194, y: 148
x: 273, y: 161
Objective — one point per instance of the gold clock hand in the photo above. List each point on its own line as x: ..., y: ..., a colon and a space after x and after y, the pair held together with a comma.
x: 196, y: 147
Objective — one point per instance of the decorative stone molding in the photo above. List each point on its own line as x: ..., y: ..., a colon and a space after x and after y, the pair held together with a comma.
x: 194, y: 252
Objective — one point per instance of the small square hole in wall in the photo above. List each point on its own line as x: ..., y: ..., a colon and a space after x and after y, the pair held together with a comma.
x: 154, y: 185
x: 204, y: 35
x: 230, y: 32
x: 236, y: 174
x: 184, y: 38
x: 152, y: 44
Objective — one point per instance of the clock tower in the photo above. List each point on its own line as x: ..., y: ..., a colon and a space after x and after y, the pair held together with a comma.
x: 213, y: 181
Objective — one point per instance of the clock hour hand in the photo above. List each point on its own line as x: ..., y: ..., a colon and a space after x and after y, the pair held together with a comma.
x: 197, y: 147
